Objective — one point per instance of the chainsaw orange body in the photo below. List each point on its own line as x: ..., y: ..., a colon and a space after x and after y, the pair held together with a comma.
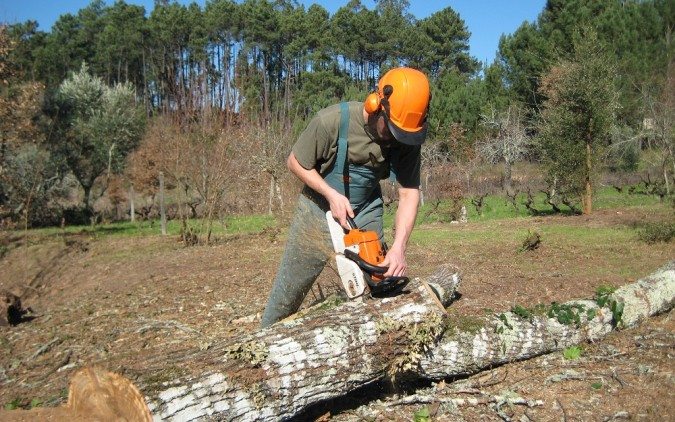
x: 359, y: 257
x: 369, y: 246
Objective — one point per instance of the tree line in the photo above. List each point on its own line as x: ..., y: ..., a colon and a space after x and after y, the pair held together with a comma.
x: 268, y: 58
x: 102, y: 92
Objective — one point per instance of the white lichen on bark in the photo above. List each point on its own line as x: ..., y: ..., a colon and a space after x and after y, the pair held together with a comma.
x: 327, y: 355
x: 308, y: 360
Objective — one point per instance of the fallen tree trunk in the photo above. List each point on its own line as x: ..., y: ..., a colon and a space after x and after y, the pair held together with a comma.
x: 521, y: 334
x: 277, y: 373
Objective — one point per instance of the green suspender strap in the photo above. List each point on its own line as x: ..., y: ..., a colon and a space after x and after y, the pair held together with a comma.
x: 341, y: 163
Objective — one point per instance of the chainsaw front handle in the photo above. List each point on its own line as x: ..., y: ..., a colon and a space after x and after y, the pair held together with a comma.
x: 388, y: 285
x: 365, y: 266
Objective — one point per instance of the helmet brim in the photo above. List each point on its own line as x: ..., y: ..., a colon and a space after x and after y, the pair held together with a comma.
x: 408, y: 138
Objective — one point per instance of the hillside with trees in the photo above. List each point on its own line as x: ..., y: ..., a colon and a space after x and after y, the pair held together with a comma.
x: 114, y: 95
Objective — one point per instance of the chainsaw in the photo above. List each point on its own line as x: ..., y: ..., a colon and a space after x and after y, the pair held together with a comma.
x: 358, y: 254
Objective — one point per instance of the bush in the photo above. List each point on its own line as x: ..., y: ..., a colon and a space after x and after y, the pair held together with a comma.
x: 531, y: 242
x: 77, y: 216
x: 656, y: 232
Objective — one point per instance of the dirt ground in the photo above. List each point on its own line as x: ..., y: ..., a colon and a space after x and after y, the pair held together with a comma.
x: 131, y: 303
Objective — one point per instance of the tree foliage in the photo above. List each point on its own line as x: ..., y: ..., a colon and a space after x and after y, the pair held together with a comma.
x: 27, y: 173
x: 578, y: 116
x: 95, y: 128
x: 635, y: 33
x: 270, y: 65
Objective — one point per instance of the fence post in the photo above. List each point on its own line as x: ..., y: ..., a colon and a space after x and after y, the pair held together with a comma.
x: 132, y: 207
x: 161, y: 202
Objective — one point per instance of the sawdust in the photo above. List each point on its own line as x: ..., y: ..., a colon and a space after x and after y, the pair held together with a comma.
x: 315, y: 238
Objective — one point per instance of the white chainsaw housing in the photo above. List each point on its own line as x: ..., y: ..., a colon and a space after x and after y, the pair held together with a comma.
x: 351, y: 275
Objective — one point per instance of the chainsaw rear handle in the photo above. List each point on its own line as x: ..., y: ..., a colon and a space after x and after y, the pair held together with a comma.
x: 365, y: 266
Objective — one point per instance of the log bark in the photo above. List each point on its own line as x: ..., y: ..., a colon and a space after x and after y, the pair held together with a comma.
x: 509, y: 337
x: 279, y: 372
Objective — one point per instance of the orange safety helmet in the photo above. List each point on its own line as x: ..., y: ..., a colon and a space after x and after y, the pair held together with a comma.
x: 403, y: 94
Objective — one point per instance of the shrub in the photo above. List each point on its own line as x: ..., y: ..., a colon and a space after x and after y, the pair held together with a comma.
x: 656, y: 232
x: 531, y: 242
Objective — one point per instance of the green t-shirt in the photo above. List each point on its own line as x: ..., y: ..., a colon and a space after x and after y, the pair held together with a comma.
x: 316, y: 148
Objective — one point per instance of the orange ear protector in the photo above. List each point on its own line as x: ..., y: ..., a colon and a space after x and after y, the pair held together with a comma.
x: 374, y: 101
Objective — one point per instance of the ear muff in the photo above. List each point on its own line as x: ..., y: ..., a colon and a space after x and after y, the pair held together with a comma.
x: 372, y: 104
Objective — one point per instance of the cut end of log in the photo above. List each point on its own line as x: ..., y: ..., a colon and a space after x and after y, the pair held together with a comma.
x: 94, y: 395
x: 104, y: 395
x: 445, y: 282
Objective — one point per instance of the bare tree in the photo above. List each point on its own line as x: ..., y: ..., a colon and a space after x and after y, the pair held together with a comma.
x: 656, y: 131
x: 507, y: 141
x: 272, y: 146
x: 659, y: 126
x: 434, y: 156
x: 194, y: 157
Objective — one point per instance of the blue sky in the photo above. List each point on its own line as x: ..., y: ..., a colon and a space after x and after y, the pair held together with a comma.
x: 487, y: 20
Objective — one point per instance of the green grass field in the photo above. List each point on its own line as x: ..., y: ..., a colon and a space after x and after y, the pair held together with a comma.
x: 495, y: 208
x: 228, y: 226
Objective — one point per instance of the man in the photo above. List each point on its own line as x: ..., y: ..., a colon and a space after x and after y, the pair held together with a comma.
x: 341, y: 157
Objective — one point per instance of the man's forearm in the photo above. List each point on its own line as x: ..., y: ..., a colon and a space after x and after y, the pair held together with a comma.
x: 338, y: 203
x: 311, y: 177
x: 405, y: 216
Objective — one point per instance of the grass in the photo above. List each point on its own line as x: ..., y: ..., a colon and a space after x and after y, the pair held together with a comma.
x: 572, y: 353
x: 228, y: 226
x: 557, y: 235
x: 564, y: 233
x: 500, y: 238
x: 495, y: 209
x: 498, y: 214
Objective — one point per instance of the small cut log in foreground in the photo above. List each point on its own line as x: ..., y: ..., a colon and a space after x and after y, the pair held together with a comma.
x: 95, y: 395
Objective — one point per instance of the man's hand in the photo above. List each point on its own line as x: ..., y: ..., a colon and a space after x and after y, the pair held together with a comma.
x: 339, y: 204
x: 405, y: 220
x: 340, y: 207
x: 395, y: 260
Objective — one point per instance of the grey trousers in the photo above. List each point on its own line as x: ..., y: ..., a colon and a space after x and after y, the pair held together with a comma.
x: 308, y: 249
